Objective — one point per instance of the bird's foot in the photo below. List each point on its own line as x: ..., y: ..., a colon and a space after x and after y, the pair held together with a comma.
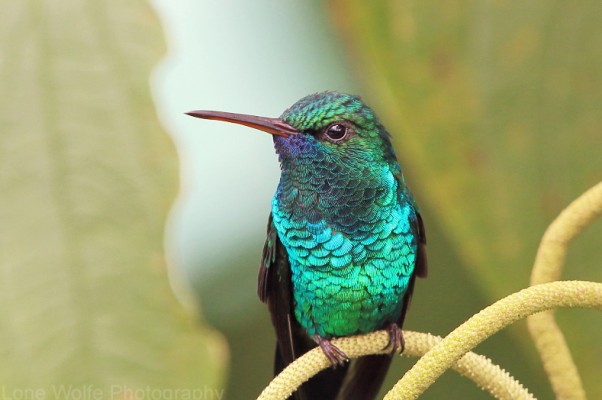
x: 396, y: 340
x: 335, y: 355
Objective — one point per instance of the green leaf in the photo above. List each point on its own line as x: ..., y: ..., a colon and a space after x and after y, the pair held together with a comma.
x: 495, y: 111
x: 87, y: 176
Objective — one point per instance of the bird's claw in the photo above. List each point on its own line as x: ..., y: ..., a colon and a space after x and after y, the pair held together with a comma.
x: 335, y: 355
x: 396, y: 340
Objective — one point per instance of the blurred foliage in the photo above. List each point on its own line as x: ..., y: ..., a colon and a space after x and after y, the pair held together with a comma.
x: 495, y: 110
x: 86, y: 179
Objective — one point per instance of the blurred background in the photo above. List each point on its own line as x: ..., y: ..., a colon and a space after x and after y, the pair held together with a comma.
x: 131, y: 234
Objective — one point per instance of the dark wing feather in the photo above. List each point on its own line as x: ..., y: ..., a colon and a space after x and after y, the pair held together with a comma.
x: 421, y: 261
x: 275, y: 289
x: 421, y: 267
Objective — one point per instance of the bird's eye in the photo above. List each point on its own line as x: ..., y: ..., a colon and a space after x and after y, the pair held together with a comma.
x: 336, y: 132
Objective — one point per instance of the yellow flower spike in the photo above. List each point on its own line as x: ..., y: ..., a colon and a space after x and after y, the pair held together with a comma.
x: 548, y: 338
x: 487, y: 322
x: 478, y: 368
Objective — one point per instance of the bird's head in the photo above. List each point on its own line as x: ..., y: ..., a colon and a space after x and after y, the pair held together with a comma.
x: 326, y: 125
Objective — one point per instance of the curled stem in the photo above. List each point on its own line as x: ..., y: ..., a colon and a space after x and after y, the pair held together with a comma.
x: 548, y: 338
x: 487, y: 322
x: 476, y: 367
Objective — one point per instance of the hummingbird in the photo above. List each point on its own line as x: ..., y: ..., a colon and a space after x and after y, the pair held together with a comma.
x: 345, y: 239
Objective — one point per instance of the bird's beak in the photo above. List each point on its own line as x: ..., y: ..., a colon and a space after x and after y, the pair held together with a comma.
x: 274, y: 126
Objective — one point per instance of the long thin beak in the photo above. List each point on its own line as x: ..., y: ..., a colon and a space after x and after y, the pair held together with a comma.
x: 274, y: 126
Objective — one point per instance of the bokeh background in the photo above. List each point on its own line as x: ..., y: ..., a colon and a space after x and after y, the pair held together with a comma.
x: 130, y: 234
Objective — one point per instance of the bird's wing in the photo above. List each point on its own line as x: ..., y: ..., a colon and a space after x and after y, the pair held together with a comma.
x: 421, y: 260
x: 421, y: 265
x: 275, y: 289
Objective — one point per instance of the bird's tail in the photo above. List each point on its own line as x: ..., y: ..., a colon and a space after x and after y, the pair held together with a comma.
x: 365, y: 377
